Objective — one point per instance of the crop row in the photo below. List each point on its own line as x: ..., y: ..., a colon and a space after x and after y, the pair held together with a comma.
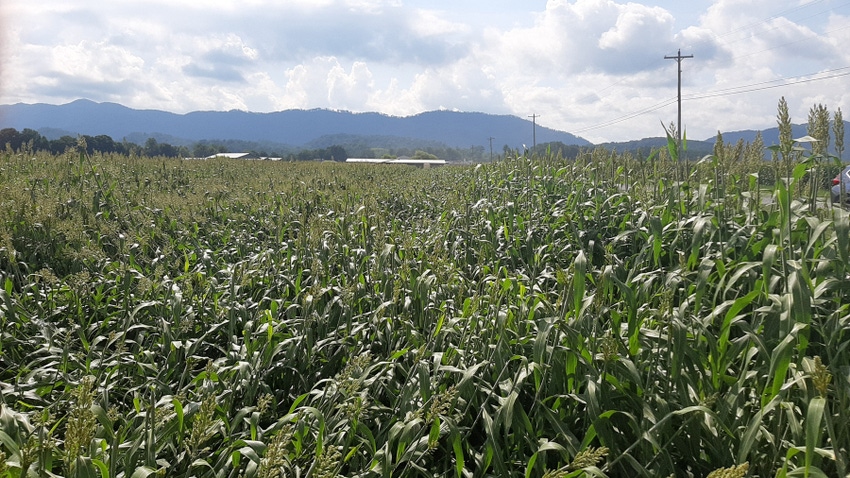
x: 606, y: 316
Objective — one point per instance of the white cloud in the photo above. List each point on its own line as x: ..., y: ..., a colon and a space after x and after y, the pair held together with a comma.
x: 462, y: 86
x: 350, y: 90
x: 586, y: 35
x: 95, y: 61
x: 578, y: 63
x: 325, y: 83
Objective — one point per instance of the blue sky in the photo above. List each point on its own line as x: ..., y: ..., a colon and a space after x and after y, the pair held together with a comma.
x: 595, y: 68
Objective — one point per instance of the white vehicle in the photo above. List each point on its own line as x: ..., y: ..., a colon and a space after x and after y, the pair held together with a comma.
x: 842, y: 181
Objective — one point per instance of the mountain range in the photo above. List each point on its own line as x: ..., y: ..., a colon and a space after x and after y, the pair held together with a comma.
x: 317, y: 128
x: 293, y: 128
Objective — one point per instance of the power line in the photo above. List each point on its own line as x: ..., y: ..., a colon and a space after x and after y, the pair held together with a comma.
x: 766, y: 85
x: 750, y: 26
x: 734, y: 90
x: 782, y: 14
x: 628, y: 116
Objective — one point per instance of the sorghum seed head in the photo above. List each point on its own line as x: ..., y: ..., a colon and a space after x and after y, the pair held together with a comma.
x: 821, y: 377
x: 588, y: 457
x: 732, y: 472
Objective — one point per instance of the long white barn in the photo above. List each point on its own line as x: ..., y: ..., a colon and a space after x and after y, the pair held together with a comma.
x: 421, y: 163
x: 242, y: 156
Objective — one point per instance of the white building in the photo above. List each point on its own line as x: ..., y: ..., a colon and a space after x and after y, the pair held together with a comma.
x: 242, y: 156
x: 419, y: 163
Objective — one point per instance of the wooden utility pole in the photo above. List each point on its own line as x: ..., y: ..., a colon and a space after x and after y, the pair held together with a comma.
x: 534, y: 130
x: 491, y: 148
x: 679, y: 57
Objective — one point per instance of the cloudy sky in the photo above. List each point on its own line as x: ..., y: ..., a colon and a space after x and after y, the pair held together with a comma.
x: 595, y: 68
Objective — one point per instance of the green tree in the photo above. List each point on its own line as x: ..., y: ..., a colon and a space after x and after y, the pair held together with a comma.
x: 34, y: 139
x: 168, y: 150
x: 131, y: 149
x: 28, y: 138
x: 63, y: 144
x: 102, y: 143
x: 337, y: 153
x: 202, y: 150
x: 151, y: 147
x: 419, y: 154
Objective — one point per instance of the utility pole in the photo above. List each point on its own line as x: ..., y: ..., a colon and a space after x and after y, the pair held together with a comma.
x: 534, y: 130
x: 679, y: 59
x: 491, y: 148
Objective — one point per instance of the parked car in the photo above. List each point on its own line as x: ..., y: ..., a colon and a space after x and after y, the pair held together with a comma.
x: 842, y: 181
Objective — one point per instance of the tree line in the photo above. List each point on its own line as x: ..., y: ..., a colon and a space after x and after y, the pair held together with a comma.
x: 32, y: 140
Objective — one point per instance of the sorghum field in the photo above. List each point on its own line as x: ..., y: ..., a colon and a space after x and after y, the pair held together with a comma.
x: 607, y: 316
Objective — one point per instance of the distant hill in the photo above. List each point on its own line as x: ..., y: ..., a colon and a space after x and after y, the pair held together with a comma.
x: 770, y: 136
x: 700, y: 148
x: 644, y: 147
x: 294, y: 130
x: 297, y: 128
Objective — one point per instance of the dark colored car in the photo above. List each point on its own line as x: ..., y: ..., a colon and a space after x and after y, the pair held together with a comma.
x: 842, y: 181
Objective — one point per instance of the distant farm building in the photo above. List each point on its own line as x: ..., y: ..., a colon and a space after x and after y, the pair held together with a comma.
x: 419, y: 163
x: 234, y: 156
x: 253, y: 156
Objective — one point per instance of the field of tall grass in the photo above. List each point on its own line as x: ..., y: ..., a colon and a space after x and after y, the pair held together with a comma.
x: 608, y: 316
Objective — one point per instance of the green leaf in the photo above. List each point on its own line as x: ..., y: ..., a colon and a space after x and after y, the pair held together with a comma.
x: 811, y: 471
x: 10, y: 443
x: 529, y: 468
x: 434, y: 433
x: 506, y: 411
x: 439, y: 326
x: 733, y: 312
x: 178, y: 410
x: 800, y: 170
x: 545, y: 446
x: 457, y: 446
x: 143, y: 472
x: 297, y: 402
x: 814, y: 415
x: 84, y: 468
x: 780, y: 360
x: 671, y: 143
x: 753, y: 427
x: 200, y: 462
x: 579, y: 272
x: 102, y: 467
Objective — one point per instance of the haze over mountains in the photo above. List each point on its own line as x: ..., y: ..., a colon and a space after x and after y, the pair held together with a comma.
x: 313, y: 128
